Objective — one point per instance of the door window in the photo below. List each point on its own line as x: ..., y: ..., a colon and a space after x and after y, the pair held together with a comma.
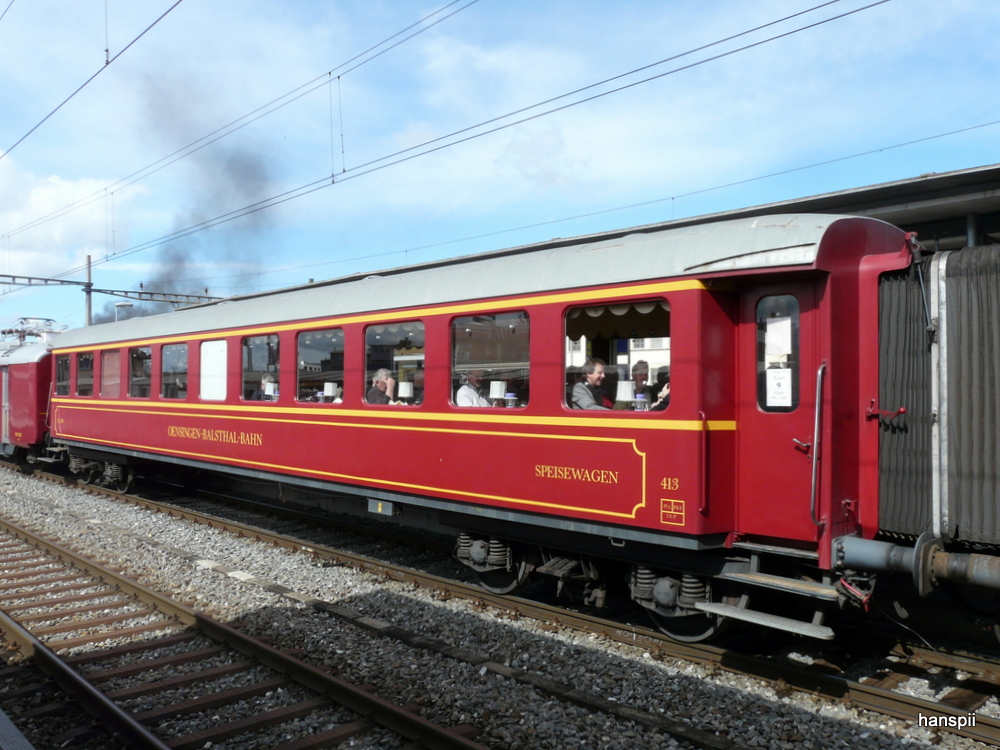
x: 778, y: 353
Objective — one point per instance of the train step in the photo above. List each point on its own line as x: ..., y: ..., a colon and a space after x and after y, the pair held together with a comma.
x: 767, y: 620
x: 560, y: 567
x: 790, y: 585
x: 771, y: 549
x: 47, y: 460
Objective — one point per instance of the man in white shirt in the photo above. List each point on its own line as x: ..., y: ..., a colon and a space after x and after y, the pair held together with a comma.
x: 468, y: 394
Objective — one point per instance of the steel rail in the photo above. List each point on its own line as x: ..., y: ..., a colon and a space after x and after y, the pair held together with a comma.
x: 119, y: 722
x: 870, y: 697
x: 865, y: 696
x: 388, y: 715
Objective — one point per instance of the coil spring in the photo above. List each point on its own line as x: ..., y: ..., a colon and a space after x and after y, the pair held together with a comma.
x: 643, y: 581
x: 463, y: 548
x: 499, y: 554
x: 693, y: 590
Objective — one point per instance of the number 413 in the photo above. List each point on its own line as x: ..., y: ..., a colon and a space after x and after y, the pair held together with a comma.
x: 670, y: 483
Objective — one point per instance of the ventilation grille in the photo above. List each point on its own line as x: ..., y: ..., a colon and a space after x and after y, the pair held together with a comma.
x: 905, y: 474
x: 973, y: 300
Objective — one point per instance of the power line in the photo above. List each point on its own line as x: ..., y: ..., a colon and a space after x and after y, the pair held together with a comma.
x: 627, y: 207
x: 6, y: 9
x: 85, y: 83
x: 243, y: 121
x: 622, y: 75
x: 430, y: 147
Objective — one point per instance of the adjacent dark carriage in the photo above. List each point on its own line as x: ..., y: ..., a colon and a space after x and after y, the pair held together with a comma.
x: 755, y: 490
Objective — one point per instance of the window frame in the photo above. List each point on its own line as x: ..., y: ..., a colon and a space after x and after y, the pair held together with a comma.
x: 63, y: 386
x: 217, y: 351
x: 93, y: 374
x: 147, y: 368
x: 620, y: 317
x: 458, y: 374
x: 393, y: 363
x: 111, y: 387
x: 339, y: 385
x: 772, y: 383
x: 166, y: 376
x: 254, y: 381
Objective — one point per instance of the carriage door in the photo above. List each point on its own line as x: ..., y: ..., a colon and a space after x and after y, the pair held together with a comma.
x: 778, y: 362
x: 5, y: 397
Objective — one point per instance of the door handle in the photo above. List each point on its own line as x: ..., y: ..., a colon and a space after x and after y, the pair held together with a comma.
x: 803, y: 446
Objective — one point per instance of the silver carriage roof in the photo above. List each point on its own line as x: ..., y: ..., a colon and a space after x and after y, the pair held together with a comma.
x: 618, y: 257
x: 20, y: 354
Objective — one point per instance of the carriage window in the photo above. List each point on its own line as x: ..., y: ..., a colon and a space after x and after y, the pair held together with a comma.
x: 85, y: 374
x: 778, y: 353
x: 321, y: 366
x: 213, y: 370
x: 260, y: 368
x: 394, y: 363
x: 174, y: 371
x: 111, y: 376
x: 618, y: 356
x: 140, y: 371
x: 490, y: 360
x: 62, y: 374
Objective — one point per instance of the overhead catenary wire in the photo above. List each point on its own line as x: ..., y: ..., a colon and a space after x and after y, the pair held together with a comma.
x: 6, y: 9
x: 87, y: 82
x: 443, y: 142
x: 249, y: 118
x: 615, y: 209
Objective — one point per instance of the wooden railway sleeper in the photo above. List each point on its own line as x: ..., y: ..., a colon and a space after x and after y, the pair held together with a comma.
x: 116, y: 719
x: 330, y: 689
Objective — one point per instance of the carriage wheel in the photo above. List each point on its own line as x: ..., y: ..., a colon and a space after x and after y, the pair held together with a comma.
x: 124, y: 482
x: 90, y: 475
x: 689, y: 628
x: 505, y: 581
x: 693, y: 626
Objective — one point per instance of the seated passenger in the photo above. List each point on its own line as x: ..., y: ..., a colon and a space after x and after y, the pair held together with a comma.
x: 261, y: 393
x: 468, y: 394
x: 418, y: 386
x: 381, y: 389
x: 662, y: 390
x: 588, y: 394
x: 640, y: 376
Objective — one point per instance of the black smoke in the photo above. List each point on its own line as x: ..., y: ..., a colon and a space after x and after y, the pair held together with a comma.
x: 219, y: 178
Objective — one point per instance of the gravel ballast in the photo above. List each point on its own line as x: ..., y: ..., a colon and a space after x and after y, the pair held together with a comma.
x: 492, y: 688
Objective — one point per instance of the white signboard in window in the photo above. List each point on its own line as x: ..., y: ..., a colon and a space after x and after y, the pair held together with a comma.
x: 778, y: 339
x: 779, y: 387
x: 213, y: 370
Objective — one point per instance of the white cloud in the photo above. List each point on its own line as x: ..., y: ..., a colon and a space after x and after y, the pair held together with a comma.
x: 880, y: 77
x: 91, y: 228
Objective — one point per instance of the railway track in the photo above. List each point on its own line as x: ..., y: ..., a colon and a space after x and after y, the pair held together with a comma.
x: 186, y: 680
x: 822, y: 678
x: 875, y: 693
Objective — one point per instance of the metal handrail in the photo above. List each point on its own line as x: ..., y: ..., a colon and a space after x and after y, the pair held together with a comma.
x: 817, y: 441
x: 704, y: 463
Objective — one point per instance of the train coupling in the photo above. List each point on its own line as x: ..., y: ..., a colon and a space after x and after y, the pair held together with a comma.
x: 927, y: 562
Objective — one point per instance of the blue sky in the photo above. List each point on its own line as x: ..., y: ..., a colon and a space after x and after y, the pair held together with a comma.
x: 902, y: 71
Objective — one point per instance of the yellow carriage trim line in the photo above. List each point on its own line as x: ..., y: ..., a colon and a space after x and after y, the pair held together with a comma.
x: 367, y: 426
x: 485, y: 417
x: 388, y: 316
x: 335, y: 476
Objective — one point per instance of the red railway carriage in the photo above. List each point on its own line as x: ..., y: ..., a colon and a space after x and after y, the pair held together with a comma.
x: 25, y: 379
x: 758, y: 340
